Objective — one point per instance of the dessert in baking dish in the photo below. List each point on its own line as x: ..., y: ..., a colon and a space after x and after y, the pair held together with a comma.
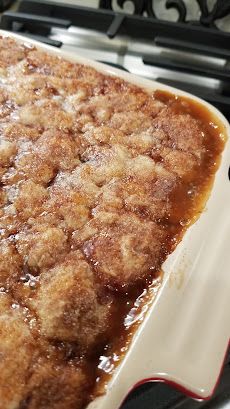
x: 98, y: 181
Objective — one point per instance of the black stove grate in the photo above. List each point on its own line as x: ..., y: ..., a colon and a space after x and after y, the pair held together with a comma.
x: 35, y: 19
x: 5, y: 4
x: 202, y: 37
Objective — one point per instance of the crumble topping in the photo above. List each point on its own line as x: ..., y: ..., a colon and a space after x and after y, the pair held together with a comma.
x: 97, y: 180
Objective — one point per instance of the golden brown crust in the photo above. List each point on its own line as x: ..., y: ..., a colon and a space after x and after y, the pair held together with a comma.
x: 125, y: 251
x: 17, y: 352
x: 10, y: 262
x: 93, y: 171
x: 56, y: 386
x: 80, y: 317
x: 42, y: 247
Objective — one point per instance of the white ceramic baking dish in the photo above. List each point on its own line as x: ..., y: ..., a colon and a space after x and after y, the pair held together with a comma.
x: 184, y: 336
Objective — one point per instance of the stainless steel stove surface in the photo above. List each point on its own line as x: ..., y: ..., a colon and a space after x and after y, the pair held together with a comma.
x: 189, y: 54
x: 197, y: 61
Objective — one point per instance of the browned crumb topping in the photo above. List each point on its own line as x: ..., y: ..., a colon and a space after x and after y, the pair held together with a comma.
x: 97, y: 180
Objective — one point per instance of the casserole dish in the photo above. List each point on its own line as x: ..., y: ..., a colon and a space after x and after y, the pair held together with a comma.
x: 185, y: 332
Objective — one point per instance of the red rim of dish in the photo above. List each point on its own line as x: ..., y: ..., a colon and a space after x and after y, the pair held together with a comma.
x: 179, y: 387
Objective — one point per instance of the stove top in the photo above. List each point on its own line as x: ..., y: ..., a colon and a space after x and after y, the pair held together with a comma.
x: 179, y: 42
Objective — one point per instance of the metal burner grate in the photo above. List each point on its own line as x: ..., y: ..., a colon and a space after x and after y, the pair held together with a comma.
x: 195, y: 48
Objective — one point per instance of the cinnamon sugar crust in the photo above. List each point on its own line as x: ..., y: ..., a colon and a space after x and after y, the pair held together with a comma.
x: 93, y: 171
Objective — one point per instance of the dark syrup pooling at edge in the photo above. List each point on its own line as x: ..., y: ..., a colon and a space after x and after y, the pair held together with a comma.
x: 189, y: 199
